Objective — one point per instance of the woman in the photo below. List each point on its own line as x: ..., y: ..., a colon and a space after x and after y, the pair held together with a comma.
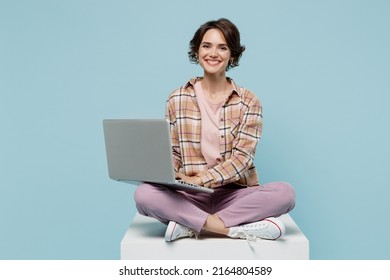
x: 215, y: 127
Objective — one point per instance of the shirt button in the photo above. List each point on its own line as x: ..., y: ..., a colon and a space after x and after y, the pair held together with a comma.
x: 222, y: 136
x: 221, y: 120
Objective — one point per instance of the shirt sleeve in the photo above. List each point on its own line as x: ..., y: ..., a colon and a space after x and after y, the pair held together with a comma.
x: 243, y: 149
x: 171, y: 118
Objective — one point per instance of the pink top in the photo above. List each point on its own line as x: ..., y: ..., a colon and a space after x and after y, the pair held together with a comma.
x: 210, y: 134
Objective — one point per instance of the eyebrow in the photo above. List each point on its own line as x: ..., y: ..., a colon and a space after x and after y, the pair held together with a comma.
x: 225, y: 45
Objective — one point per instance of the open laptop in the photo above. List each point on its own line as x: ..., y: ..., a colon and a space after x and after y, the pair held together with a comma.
x: 139, y: 150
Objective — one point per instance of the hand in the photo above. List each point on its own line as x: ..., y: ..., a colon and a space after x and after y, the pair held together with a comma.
x: 189, y: 179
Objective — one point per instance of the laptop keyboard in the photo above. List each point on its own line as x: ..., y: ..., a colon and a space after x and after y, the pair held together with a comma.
x: 189, y: 184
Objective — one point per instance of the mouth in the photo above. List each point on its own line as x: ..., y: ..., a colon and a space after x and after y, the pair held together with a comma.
x: 212, y: 62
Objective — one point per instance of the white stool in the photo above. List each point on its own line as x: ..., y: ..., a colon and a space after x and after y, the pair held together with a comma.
x: 144, y: 240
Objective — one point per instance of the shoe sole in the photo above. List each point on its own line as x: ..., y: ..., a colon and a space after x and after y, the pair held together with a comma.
x: 170, y: 230
x: 281, y: 228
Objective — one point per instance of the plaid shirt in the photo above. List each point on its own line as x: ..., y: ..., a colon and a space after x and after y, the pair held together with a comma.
x: 240, y: 127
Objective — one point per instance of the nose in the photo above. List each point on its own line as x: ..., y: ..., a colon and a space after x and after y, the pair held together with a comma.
x: 213, y: 52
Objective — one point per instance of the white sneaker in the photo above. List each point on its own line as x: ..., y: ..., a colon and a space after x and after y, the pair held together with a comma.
x: 269, y: 228
x: 175, y: 231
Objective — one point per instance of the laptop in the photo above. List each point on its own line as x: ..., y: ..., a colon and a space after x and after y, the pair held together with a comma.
x: 140, y: 151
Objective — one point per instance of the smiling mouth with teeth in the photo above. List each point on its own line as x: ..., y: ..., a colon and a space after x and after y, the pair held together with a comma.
x: 213, y: 62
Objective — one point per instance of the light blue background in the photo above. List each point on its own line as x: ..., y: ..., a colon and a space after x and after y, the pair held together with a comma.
x: 321, y: 69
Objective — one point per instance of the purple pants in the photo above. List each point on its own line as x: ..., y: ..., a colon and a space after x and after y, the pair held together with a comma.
x: 232, y: 204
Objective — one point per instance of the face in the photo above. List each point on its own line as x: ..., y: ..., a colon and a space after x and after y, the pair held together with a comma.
x: 214, y: 53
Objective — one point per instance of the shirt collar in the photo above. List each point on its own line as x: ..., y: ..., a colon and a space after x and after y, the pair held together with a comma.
x: 192, y: 82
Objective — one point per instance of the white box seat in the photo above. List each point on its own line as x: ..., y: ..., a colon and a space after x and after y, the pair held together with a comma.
x: 144, y: 240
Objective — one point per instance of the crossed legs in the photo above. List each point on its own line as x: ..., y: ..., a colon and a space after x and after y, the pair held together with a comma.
x: 226, y: 208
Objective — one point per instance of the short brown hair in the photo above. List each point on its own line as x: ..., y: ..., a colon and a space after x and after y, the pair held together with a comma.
x: 229, y: 31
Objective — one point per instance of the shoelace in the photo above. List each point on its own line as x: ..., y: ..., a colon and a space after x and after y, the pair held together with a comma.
x: 188, y: 232
x: 249, y: 233
x: 250, y: 238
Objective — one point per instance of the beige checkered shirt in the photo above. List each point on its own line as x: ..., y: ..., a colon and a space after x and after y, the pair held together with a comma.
x: 240, y: 128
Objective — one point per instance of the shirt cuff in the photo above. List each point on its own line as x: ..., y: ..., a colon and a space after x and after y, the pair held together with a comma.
x: 207, y: 179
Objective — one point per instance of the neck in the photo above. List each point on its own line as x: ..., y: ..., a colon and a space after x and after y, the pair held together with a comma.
x: 215, y: 85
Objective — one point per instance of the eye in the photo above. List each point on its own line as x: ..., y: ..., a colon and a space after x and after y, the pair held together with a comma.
x: 206, y: 46
x: 224, y: 47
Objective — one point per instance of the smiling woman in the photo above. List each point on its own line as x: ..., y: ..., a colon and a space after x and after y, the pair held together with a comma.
x: 230, y: 36
x: 215, y: 126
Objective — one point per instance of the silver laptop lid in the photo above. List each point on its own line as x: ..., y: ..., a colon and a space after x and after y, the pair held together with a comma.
x: 139, y: 150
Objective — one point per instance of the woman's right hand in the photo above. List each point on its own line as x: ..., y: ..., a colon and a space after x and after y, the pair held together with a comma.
x: 189, y: 179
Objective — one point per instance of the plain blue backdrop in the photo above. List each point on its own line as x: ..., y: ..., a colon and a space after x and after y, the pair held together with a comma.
x: 320, y: 68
